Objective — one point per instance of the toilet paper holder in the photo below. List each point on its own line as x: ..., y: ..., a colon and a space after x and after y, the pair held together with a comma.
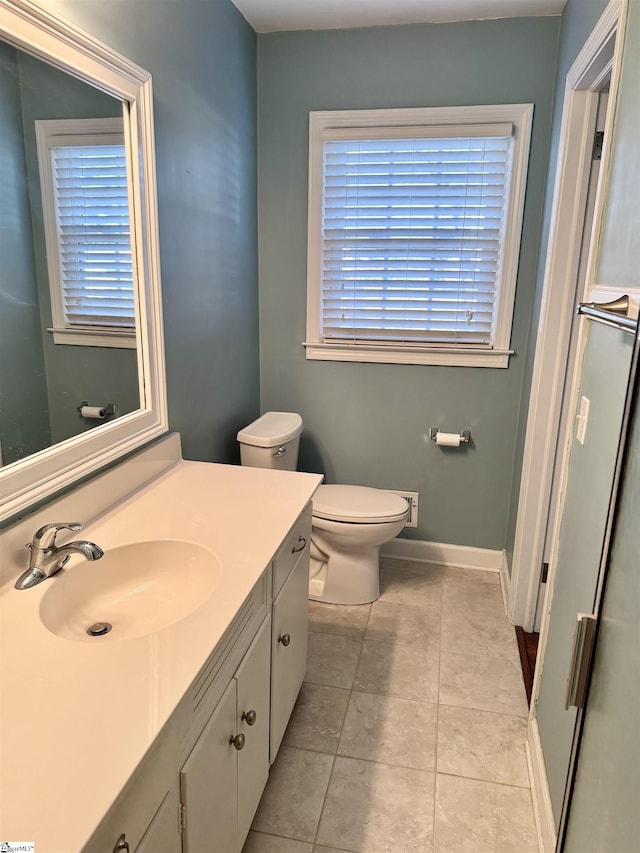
x: 107, y: 410
x: 465, y: 434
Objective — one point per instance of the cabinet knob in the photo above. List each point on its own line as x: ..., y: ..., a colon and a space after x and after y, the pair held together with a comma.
x: 238, y: 741
x: 249, y: 717
x: 122, y: 845
x: 285, y: 639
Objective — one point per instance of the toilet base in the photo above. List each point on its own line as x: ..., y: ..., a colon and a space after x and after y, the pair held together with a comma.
x: 353, y: 579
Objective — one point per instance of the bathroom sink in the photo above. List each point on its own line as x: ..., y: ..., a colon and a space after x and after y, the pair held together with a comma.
x: 135, y: 590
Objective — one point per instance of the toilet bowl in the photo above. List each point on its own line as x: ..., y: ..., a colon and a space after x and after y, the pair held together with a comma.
x: 349, y: 523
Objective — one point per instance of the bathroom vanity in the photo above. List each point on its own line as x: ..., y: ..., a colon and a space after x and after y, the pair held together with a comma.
x: 158, y: 735
x: 156, y: 739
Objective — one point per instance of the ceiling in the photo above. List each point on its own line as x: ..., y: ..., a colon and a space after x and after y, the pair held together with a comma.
x: 267, y: 16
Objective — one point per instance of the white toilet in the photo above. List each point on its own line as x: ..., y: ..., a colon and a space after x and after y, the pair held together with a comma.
x: 350, y: 523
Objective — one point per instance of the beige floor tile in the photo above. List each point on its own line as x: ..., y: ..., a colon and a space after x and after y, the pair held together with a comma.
x: 259, y: 842
x: 403, y: 671
x: 477, y: 632
x: 317, y: 718
x: 344, y: 619
x: 482, y: 745
x: 375, y: 808
x: 476, y: 596
x: 487, y: 684
x: 292, y: 801
x: 474, y: 817
x: 332, y: 660
x: 417, y: 584
x: 400, y: 623
x: 391, y: 731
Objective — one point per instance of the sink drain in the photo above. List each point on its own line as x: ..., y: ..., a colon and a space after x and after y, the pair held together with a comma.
x: 99, y: 628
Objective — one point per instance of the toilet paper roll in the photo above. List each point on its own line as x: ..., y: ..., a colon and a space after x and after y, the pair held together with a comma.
x: 448, y: 439
x: 95, y: 412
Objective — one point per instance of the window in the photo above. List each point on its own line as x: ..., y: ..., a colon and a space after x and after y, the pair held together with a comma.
x: 415, y: 219
x: 83, y: 177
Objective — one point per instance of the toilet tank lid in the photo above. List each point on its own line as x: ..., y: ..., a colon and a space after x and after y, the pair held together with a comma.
x: 271, y: 429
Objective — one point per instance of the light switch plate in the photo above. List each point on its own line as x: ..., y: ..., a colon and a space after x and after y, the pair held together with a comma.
x: 582, y: 419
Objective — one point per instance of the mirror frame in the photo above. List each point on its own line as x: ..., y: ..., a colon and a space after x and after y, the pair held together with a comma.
x: 28, y: 27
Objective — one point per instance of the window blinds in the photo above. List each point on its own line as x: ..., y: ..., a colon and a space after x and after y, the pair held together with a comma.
x: 94, y: 242
x: 412, y: 238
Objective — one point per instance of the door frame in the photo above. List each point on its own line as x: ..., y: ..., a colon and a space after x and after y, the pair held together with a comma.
x: 600, y: 56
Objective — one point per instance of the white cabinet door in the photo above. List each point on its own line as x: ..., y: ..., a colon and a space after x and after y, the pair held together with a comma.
x: 163, y: 833
x: 253, y: 679
x: 288, y: 649
x: 209, y: 784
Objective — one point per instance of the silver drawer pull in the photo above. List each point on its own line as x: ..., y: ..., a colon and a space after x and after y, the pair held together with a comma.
x: 280, y: 451
x: 249, y: 717
x: 285, y: 639
x: 238, y: 741
x: 300, y: 546
x: 122, y: 845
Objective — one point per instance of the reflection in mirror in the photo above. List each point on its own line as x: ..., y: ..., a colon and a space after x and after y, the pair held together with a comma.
x: 44, y: 374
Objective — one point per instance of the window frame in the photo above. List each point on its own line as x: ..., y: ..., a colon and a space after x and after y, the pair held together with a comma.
x: 322, y: 125
x: 49, y: 134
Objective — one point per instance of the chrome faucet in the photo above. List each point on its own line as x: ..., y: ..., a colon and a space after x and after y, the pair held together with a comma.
x: 46, y: 558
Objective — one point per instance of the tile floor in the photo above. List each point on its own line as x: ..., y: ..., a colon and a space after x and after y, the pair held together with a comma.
x: 408, y: 734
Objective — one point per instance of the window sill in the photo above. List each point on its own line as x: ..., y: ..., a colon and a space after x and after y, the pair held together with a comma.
x: 94, y: 338
x: 448, y: 356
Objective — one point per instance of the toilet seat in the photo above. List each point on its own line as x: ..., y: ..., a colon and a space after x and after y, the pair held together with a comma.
x: 358, y: 505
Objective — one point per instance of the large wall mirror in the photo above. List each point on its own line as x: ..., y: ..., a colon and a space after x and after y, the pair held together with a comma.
x: 80, y: 309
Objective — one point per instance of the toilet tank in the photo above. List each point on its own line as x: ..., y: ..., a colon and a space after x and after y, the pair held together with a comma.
x: 272, y: 441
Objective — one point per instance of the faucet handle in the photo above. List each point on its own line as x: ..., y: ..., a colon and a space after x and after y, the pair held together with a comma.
x: 49, y: 532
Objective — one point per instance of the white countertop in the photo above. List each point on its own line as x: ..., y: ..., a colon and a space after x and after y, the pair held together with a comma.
x: 76, y: 718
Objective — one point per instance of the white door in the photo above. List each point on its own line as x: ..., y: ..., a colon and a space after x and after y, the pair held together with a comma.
x: 209, y: 784
x: 567, y: 413
x: 163, y: 833
x: 289, y: 649
x: 253, y: 681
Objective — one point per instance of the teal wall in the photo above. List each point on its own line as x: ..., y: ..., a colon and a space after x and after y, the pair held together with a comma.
x: 24, y: 415
x: 202, y: 56
x: 619, y: 258
x: 578, y: 20
x: 367, y: 423
x: 74, y: 373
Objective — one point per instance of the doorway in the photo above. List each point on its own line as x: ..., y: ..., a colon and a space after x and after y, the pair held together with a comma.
x: 575, y: 216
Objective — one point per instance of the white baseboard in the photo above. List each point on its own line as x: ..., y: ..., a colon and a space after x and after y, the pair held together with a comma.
x: 505, y: 582
x: 460, y: 556
x: 542, y: 810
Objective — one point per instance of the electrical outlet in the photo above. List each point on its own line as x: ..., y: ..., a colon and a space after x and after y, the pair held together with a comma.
x: 412, y: 498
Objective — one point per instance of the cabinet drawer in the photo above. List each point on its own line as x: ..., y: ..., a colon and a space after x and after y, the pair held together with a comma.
x: 294, y: 546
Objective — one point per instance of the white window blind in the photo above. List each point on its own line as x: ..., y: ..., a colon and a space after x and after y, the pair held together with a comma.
x: 413, y: 237
x: 93, y: 235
